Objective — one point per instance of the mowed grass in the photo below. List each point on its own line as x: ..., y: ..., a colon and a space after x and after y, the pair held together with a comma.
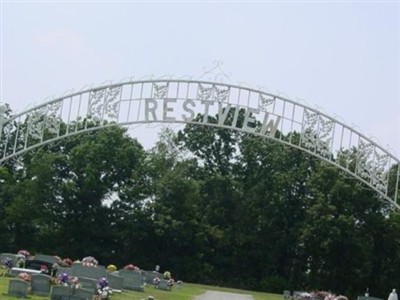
x: 187, y: 291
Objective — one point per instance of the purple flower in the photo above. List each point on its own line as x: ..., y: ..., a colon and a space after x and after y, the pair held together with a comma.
x: 8, y: 262
x: 102, y: 283
x: 63, y: 278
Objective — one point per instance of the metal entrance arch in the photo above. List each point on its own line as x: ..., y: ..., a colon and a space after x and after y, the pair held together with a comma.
x: 180, y: 101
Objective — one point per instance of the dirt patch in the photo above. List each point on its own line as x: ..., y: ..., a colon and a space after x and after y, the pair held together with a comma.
x: 213, y: 295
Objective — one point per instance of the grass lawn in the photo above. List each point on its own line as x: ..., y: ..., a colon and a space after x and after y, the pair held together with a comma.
x: 185, y: 292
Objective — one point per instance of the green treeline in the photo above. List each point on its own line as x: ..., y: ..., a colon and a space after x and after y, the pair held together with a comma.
x: 211, y: 205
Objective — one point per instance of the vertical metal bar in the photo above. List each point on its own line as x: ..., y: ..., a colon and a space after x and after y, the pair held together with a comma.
x: 152, y: 90
x: 5, y: 146
x: 302, y: 128
x: 44, y: 124
x: 105, y: 101
x: 89, y: 107
x: 317, y: 141
x: 388, y: 176
x: 341, y: 139
x: 69, y: 117
x: 79, y: 111
x: 198, y: 91
x: 373, y: 177
x: 273, y: 107
x: 129, y: 103
x: 119, y: 102
x: 140, y: 99
x: 27, y: 131
x: 349, y: 149
x: 187, y: 90
x: 60, y: 116
x: 16, y: 139
x: 177, y: 90
x: 291, y: 125
x: 333, y: 138
x: 283, y: 119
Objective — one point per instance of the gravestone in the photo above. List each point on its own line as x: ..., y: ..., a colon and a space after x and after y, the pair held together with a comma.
x: 115, y: 282
x: 60, y: 292
x: 83, y: 294
x: 79, y: 271
x: 368, y: 298
x: 3, y: 256
x: 150, y: 275
x: 286, y: 294
x: 163, y: 285
x: 41, y: 284
x: 46, y: 258
x: 35, y: 264
x: 88, y: 283
x: 133, y: 280
x: 61, y: 270
x: 18, y: 288
x: 298, y: 294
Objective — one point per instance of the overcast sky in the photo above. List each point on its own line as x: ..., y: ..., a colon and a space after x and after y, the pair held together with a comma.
x: 343, y: 57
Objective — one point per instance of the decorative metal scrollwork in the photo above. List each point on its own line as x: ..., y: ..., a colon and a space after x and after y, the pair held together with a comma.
x: 53, y: 117
x: 364, y: 165
x: 324, y: 136
x: 317, y: 133
x: 104, y: 102
x: 221, y: 94
x: 213, y: 93
x: 35, y: 124
x: 205, y: 93
x: 309, y: 134
x: 160, y: 91
x: 264, y: 101
x: 379, y: 176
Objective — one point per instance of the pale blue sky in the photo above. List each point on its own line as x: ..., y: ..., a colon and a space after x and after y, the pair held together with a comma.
x: 341, y: 56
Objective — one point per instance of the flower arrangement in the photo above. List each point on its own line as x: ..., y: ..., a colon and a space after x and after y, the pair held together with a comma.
x: 25, y: 253
x: 167, y: 275
x: 20, y: 262
x: 156, y: 281
x: 131, y: 267
x: 89, y: 261
x: 25, y: 276
x: 67, y: 262
x: 44, y: 269
x: 170, y: 282
x: 74, y: 281
x: 8, y: 263
x: 63, y: 279
x: 111, y: 268
x: 103, y: 291
x: 323, y: 295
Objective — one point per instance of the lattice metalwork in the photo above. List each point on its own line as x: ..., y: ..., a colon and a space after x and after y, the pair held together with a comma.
x: 181, y: 100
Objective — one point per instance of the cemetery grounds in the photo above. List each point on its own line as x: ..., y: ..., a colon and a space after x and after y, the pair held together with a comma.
x: 187, y: 291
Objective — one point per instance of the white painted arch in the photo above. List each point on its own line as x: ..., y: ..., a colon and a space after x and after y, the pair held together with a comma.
x: 180, y: 101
